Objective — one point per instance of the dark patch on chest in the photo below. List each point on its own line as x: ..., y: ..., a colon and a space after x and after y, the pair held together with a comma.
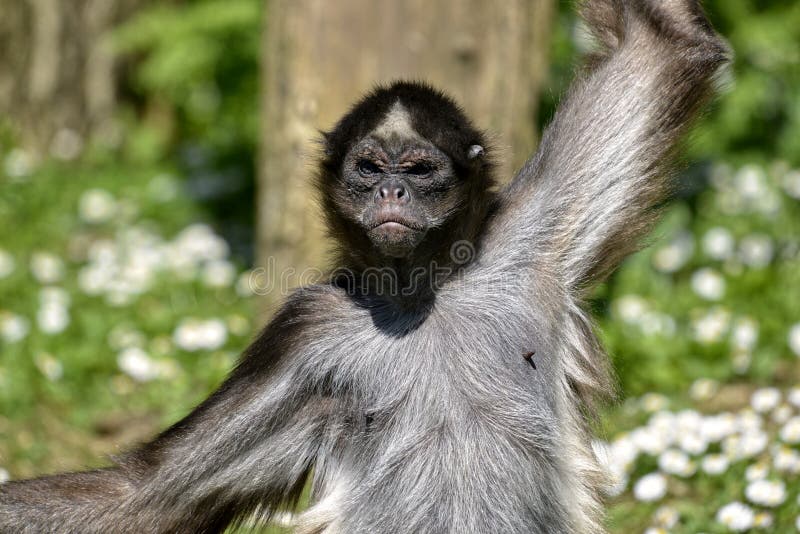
x: 529, y: 358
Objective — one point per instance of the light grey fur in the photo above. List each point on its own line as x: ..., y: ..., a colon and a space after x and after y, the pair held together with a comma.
x: 430, y: 419
x: 397, y: 123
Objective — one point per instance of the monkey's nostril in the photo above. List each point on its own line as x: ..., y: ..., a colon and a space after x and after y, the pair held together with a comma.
x: 392, y: 192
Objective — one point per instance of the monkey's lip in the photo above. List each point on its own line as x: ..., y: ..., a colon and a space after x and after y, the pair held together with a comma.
x: 395, y: 223
x: 392, y: 226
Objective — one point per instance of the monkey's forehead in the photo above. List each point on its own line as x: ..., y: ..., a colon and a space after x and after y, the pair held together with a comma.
x: 404, y: 113
x: 396, y: 124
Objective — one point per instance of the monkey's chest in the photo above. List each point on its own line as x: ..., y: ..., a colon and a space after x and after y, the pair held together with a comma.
x: 467, y: 351
x: 487, y: 367
x: 454, y: 420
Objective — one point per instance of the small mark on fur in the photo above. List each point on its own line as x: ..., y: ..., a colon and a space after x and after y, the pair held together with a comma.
x: 368, y: 419
x: 529, y: 357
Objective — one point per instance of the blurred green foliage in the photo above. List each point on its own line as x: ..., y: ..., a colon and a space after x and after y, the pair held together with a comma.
x: 192, y: 94
x: 758, y: 117
x: 58, y: 383
x: 200, y: 60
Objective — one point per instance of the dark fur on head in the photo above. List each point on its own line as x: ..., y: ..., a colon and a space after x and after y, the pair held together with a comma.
x: 436, y: 118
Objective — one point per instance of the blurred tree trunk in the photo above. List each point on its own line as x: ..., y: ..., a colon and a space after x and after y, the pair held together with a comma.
x: 57, y: 82
x: 319, y: 56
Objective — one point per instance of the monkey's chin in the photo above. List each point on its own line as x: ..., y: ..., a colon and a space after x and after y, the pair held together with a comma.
x: 395, y: 240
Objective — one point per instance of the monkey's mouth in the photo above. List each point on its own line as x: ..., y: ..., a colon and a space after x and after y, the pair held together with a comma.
x: 395, y: 236
x: 392, y: 226
x: 394, y: 222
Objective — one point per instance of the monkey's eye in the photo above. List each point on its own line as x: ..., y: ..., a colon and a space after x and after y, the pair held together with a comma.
x: 367, y: 167
x: 420, y: 169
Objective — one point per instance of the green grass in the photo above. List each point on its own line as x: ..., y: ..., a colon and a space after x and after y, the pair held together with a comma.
x: 93, y: 407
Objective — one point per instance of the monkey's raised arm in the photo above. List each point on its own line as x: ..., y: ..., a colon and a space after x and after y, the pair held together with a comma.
x: 593, y: 187
x: 249, y: 445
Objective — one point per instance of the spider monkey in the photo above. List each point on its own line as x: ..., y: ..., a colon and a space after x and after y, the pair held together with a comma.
x: 446, y: 399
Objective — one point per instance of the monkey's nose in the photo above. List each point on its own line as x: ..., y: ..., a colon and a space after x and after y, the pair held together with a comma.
x: 393, y: 192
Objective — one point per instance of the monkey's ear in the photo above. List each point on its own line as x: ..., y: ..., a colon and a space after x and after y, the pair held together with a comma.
x: 475, y: 151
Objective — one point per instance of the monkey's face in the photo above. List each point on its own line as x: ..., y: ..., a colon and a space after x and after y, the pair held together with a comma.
x: 396, y: 189
x: 404, y: 175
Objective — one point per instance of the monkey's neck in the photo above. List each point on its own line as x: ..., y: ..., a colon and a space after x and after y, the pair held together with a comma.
x: 405, y: 282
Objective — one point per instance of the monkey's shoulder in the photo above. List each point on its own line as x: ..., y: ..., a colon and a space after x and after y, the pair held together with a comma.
x: 333, y: 328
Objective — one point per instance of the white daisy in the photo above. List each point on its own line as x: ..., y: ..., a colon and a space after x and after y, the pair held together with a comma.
x: 764, y: 492
x: 763, y: 520
x: 794, y: 339
x: 692, y: 442
x: 52, y: 318
x: 708, y: 284
x: 718, y: 243
x: 756, y: 250
x: 13, y: 328
x: 97, y: 206
x: 786, y: 460
x: 791, y: 184
x: 630, y: 308
x: 7, y: 263
x: 46, y: 267
x: 19, y: 163
x: 676, y: 462
x: 744, y: 333
x: 736, y: 516
x: 195, y: 334
x: 703, y: 389
x: 219, y: 273
x: 137, y: 364
x: 790, y: 431
x: 666, y: 517
x: 653, y: 402
x: 793, y: 396
x: 715, y: 464
x: 711, y: 326
x: 765, y: 399
x: 651, y: 487
x: 675, y: 254
x: 757, y: 471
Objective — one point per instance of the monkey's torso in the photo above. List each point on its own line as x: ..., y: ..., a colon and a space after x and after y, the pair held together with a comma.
x: 464, y: 439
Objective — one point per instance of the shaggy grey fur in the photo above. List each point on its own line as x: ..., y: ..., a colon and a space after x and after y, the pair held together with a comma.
x: 433, y: 415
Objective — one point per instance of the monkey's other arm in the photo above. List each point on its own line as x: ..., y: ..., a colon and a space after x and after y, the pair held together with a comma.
x: 592, y: 188
x: 248, y: 446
